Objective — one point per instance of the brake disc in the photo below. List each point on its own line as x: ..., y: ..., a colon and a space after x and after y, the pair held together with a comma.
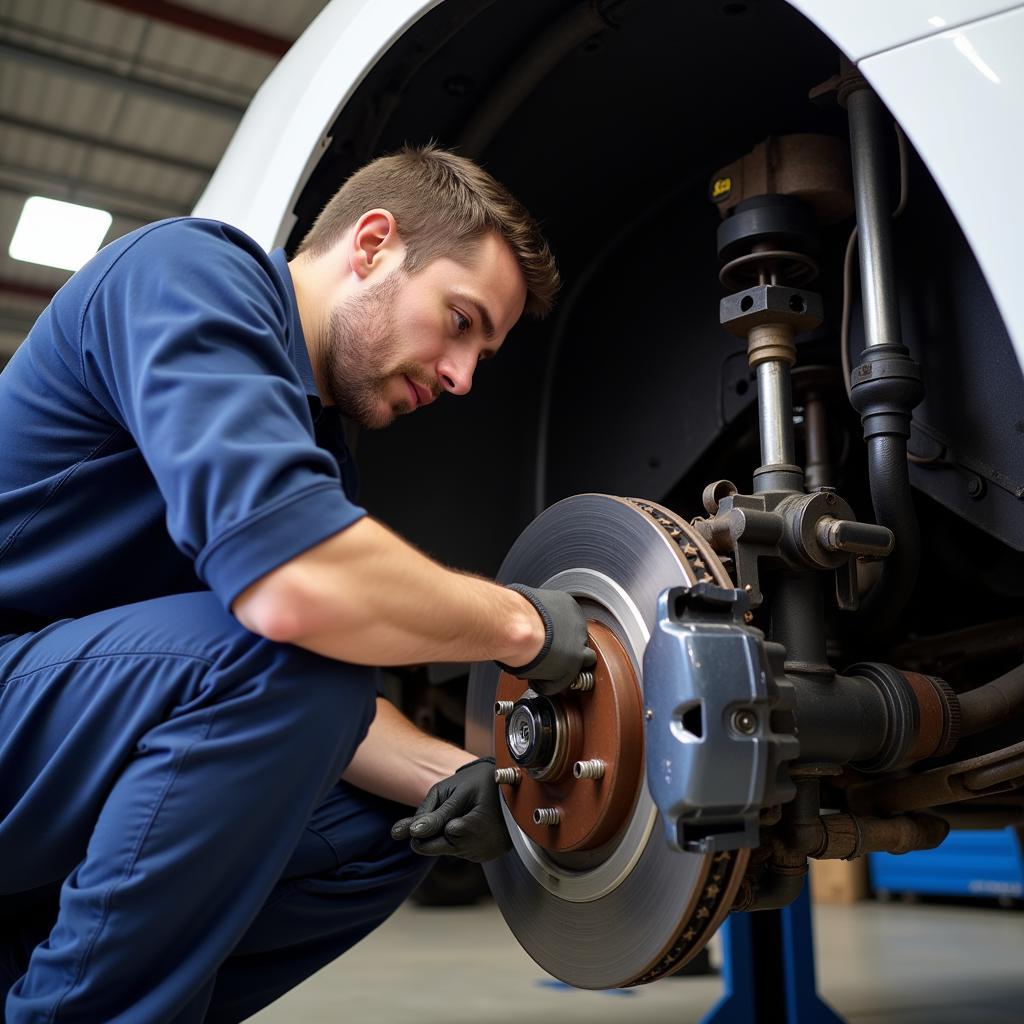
x: 591, y: 889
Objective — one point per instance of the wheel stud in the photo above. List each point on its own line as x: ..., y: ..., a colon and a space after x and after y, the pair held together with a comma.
x: 547, y: 816
x: 504, y: 707
x: 583, y: 682
x: 592, y: 769
x: 507, y: 776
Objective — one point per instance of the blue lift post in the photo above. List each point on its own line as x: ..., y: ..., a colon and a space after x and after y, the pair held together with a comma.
x: 768, y: 969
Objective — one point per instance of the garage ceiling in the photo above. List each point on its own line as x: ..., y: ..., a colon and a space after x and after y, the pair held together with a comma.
x: 126, y: 105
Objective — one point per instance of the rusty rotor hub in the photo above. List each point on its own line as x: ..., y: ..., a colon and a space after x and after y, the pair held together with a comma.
x: 579, y: 755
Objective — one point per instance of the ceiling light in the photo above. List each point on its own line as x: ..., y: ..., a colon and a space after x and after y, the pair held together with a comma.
x: 58, y: 234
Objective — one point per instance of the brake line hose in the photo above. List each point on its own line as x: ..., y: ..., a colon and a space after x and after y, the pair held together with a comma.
x: 991, y: 704
x: 887, y: 385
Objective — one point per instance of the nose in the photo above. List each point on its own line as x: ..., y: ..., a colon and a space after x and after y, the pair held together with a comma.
x: 456, y: 373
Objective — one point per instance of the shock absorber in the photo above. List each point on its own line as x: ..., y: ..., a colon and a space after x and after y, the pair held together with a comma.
x: 767, y: 244
x: 772, y: 201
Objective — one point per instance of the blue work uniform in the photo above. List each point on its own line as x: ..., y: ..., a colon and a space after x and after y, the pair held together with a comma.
x: 175, y: 841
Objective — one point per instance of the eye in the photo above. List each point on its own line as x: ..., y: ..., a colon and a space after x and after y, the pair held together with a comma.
x: 462, y: 322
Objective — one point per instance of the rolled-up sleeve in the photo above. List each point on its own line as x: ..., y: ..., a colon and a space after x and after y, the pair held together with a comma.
x: 184, y: 343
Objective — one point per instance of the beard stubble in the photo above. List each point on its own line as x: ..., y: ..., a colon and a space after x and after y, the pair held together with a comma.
x: 360, y: 352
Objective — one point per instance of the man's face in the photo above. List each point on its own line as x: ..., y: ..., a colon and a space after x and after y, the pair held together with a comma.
x: 401, y: 342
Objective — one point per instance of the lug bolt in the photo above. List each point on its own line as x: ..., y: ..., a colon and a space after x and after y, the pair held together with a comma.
x: 504, y: 707
x: 547, y: 816
x: 592, y: 769
x: 583, y: 682
x: 507, y: 776
x: 744, y: 721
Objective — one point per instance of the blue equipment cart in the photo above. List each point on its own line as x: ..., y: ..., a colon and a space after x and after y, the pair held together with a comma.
x: 968, y: 863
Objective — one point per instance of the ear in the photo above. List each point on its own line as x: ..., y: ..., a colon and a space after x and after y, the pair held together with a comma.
x: 375, y: 242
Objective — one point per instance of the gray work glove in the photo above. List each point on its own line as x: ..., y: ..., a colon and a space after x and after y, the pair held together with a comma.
x: 461, y: 817
x: 565, y: 652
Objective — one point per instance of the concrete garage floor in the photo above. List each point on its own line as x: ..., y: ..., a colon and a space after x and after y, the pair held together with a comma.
x: 877, y: 964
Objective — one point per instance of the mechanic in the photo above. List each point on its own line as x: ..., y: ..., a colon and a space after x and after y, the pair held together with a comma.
x: 198, y: 779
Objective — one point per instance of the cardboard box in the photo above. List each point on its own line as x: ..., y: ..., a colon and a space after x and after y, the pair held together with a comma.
x: 839, y: 881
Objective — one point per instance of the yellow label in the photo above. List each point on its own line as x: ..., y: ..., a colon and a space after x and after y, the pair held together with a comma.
x: 722, y: 187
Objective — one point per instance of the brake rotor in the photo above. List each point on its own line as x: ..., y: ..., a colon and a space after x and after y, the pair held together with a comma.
x: 591, y: 889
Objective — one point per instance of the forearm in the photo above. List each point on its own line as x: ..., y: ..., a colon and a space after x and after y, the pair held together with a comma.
x: 400, y: 762
x: 368, y: 597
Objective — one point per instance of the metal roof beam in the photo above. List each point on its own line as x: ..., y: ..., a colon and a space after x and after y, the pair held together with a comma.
x: 205, y: 25
x: 120, y: 81
x: 172, y: 208
x: 52, y: 131
x: 82, y: 191
x: 25, y: 290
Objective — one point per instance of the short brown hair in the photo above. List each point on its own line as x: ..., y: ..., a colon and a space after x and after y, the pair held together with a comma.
x: 443, y: 205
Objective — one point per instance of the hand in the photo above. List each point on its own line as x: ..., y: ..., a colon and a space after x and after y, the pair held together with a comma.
x: 461, y: 817
x: 565, y: 652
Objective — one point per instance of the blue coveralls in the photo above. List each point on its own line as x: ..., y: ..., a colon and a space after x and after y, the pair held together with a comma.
x: 175, y: 840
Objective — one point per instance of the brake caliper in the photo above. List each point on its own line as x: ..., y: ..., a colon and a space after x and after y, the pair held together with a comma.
x: 719, y: 720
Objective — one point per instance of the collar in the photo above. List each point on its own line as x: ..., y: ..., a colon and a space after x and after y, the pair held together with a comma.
x: 297, y: 351
x: 329, y: 422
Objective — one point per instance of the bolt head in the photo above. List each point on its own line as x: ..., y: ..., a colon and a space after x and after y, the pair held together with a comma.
x: 744, y: 721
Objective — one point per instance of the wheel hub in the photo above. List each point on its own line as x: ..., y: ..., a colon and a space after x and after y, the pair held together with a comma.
x: 580, y: 754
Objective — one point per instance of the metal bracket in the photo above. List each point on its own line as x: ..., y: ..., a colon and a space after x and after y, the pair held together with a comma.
x: 786, y: 528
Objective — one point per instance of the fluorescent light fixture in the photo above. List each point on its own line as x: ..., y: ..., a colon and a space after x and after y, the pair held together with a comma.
x: 58, y: 234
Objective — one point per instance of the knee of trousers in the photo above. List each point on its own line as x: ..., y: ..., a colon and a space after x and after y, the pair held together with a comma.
x: 396, y: 876
x: 356, y: 828
x: 302, y: 695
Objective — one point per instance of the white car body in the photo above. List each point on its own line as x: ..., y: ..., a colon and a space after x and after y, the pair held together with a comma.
x: 949, y: 70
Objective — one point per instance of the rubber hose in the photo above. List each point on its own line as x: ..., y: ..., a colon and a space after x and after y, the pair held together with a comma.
x: 991, y: 704
x: 894, y: 508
